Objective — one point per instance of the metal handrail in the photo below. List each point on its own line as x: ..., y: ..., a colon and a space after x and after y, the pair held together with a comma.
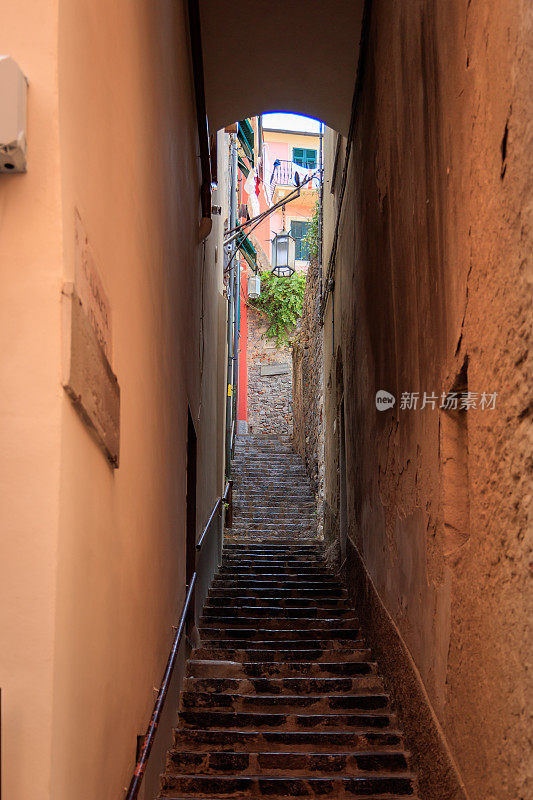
x: 140, y: 767
x: 220, y: 500
x: 142, y: 760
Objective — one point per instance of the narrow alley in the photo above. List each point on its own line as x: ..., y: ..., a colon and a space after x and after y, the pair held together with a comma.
x: 266, y: 393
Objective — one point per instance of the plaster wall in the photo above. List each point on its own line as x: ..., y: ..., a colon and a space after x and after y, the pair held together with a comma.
x: 30, y: 398
x: 130, y: 167
x: 93, y: 559
x: 434, y: 272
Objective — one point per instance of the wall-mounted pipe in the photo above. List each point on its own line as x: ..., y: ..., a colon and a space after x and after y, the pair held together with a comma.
x: 195, y: 32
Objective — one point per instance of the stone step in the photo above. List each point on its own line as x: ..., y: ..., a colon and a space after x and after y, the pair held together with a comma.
x: 332, y: 687
x: 253, y: 654
x: 222, y: 668
x: 277, y: 788
x: 284, y: 704
x: 319, y: 593
x: 273, y: 547
x: 332, y: 634
x: 222, y: 641
x: 374, y: 720
x: 238, y: 568
x: 269, y: 583
x: 231, y: 618
x: 281, y: 698
x: 278, y: 572
x: 203, y: 740
x: 224, y: 762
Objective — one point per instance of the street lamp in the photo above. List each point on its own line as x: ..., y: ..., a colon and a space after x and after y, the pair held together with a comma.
x: 283, y: 254
x: 254, y: 286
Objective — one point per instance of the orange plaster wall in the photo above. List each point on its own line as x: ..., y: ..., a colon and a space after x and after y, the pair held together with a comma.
x: 128, y: 131
x: 30, y: 395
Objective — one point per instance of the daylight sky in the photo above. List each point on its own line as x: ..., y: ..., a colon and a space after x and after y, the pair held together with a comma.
x: 291, y: 122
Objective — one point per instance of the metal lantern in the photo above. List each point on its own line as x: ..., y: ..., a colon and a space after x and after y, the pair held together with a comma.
x: 254, y: 286
x: 283, y: 254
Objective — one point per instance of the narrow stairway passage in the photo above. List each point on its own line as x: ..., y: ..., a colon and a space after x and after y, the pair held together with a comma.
x: 282, y: 698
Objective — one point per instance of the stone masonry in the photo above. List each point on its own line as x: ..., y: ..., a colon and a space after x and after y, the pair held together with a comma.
x: 269, y: 380
x: 308, y: 401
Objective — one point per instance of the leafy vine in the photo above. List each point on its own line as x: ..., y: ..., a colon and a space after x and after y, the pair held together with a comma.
x: 281, y: 299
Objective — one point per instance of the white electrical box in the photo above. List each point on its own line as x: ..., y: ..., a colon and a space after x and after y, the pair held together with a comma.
x: 13, y: 88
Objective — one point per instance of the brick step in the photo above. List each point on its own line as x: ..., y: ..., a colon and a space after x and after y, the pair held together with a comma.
x: 332, y: 687
x: 340, y: 636
x: 224, y: 762
x: 205, y: 668
x: 284, y: 704
x: 280, y: 656
x: 375, y: 720
x: 203, y: 740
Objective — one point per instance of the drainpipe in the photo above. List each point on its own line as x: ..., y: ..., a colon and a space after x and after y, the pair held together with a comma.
x: 195, y: 32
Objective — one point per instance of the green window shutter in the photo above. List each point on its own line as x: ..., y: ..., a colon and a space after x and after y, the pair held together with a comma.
x: 310, y: 157
x: 245, y: 135
x: 304, y: 158
x: 298, y: 233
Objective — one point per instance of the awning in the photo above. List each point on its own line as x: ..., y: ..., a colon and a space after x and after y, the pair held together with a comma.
x: 247, y: 250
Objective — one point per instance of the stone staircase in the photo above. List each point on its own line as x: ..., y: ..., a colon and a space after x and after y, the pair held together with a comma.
x: 271, y: 496
x: 282, y: 699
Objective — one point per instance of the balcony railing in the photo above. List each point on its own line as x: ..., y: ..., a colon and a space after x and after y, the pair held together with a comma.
x: 284, y: 174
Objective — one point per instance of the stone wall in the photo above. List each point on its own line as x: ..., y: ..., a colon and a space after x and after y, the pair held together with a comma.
x: 432, y: 290
x: 269, y: 380
x: 308, y: 433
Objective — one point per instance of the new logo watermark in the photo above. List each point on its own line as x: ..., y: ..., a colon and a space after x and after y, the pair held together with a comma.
x: 384, y: 400
x: 447, y: 401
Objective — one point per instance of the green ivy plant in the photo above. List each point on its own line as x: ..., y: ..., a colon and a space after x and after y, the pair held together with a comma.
x: 281, y: 299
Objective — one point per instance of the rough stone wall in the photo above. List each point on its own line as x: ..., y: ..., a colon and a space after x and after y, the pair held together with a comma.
x: 308, y: 433
x: 434, y: 273
x: 269, y: 380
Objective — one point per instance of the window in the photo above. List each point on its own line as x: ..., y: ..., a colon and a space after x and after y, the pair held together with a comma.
x: 298, y: 233
x: 304, y: 158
